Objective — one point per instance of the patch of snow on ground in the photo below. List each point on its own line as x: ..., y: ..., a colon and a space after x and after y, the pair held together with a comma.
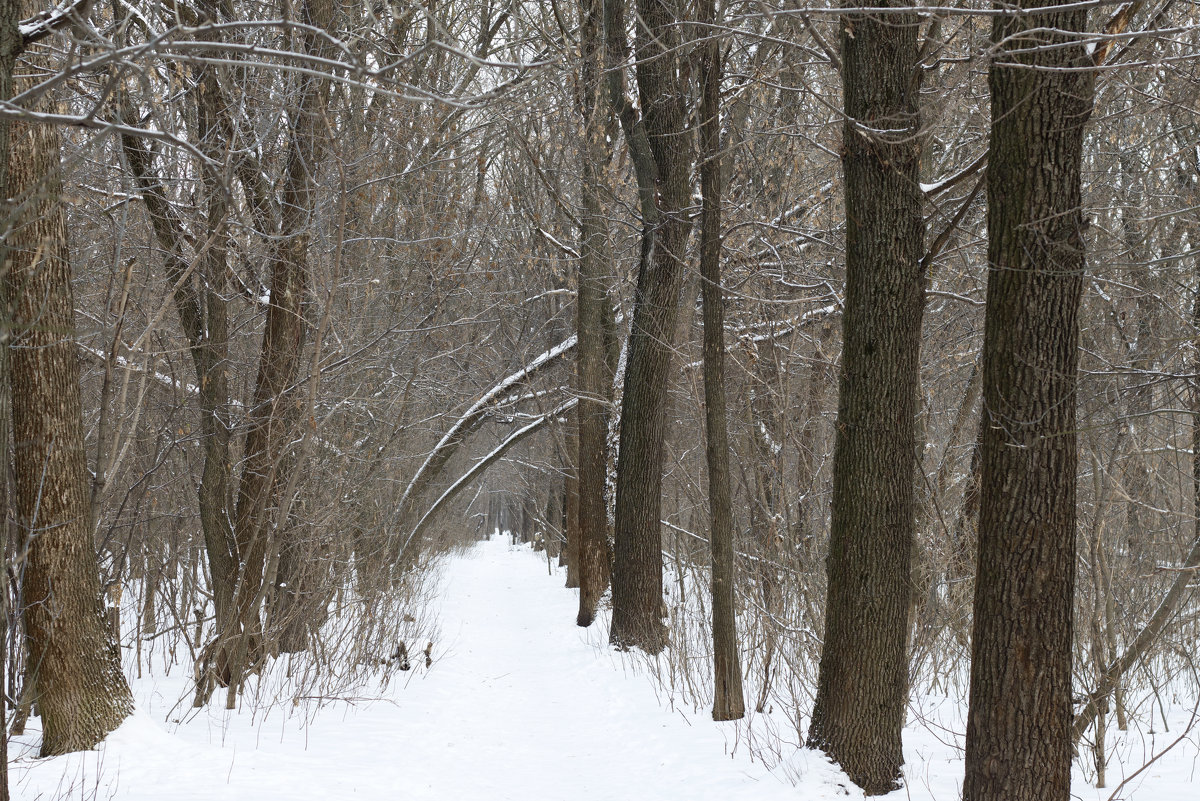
x: 518, y: 704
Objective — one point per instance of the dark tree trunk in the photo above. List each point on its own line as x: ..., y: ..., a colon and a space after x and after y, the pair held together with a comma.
x: 862, y: 689
x: 74, y: 664
x: 728, y: 700
x: 1019, y: 725
x: 10, y: 46
x: 594, y: 381
x: 662, y: 152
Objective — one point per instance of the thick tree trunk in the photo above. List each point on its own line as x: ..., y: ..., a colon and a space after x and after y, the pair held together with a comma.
x: 80, y: 690
x: 662, y: 153
x: 1019, y: 725
x: 862, y: 688
x: 728, y: 700
x: 10, y: 46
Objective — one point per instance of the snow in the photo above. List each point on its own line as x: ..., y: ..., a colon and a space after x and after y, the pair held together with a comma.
x: 518, y: 703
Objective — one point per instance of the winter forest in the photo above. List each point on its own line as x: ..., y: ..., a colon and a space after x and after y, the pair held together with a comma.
x: 842, y: 361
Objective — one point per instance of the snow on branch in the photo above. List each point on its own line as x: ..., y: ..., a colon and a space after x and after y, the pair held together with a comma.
x: 126, y: 364
x: 473, y: 417
x: 778, y: 330
x: 43, y: 23
x: 485, y: 462
x: 184, y: 387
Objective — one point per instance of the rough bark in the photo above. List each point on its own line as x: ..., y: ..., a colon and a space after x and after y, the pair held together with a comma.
x: 10, y: 47
x: 1019, y: 724
x: 728, y: 700
x: 862, y: 688
x: 80, y: 690
x: 662, y: 152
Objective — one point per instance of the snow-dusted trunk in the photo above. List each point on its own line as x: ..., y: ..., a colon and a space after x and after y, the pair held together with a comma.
x: 592, y: 375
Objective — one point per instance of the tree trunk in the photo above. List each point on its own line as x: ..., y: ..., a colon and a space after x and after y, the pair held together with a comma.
x: 10, y: 46
x: 203, y: 313
x: 862, y: 688
x: 1019, y: 724
x: 272, y: 419
x: 81, y: 692
x: 662, y: 154
x: 594, y: 381
x: 728, y: 700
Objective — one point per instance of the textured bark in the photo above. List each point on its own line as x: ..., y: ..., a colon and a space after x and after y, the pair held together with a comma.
x: 662, y: 153
x: 1019, y: 724
x: 10, y: 46
x: 593, y: 379
x: 80, y: 690
x: 728, y: 700
x: 862, y: 688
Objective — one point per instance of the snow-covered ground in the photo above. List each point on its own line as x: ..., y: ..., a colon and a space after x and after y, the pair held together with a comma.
x: 518, y: 703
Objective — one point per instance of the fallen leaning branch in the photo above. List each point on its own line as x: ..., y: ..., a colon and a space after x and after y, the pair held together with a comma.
x: 485, y: 462
x: 468, y: 423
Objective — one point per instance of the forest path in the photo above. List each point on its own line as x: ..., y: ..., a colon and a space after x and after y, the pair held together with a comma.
x: 518, y: 704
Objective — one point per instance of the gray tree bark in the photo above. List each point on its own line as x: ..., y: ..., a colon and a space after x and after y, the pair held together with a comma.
x: 10, y: 47
x: 593, y: 379
x: 662, y: 153
x: 729, y: 702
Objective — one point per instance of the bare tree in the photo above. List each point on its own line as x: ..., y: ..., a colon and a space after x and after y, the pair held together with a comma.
x: 661, y: 148
x: 1019, y: 741
x: 74, y: 666
x: 593, y: 310
x: 862, y: 691
x: 10, y: 47
x: 728, y: 700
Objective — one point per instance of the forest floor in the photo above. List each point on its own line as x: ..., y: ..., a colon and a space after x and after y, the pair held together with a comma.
x: 518, y: 703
